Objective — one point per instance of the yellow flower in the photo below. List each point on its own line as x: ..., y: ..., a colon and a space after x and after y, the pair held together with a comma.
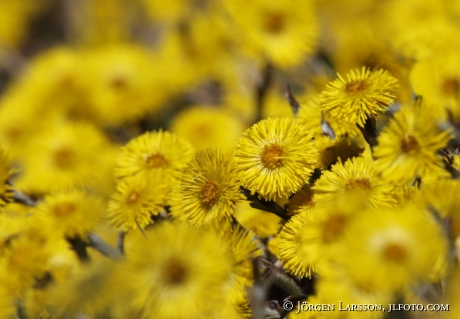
x: 136, y: 199
x: 275, y: 157
x: 437, y: 79
x: 118, y: 84
x: 280, y: 32
x: 208, y: 126
x: 358, y: 176
x: 209, y: 189
x: 363, y: 94
x: 70, y: 214
x: 310, y: 239
x: 393, y: 249
x: 50, y: 85
x: 414, y: 28
x: 204, y: 48
x: 154, y: 151
x: 23, y: 261
x: 177, y: 265
x: 64, y: 156
x: 408, y: 145
x: 18, y: 119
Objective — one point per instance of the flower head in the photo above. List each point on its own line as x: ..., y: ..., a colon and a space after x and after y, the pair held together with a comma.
x: 208, y: 189
x: 136, y: 200
x: 282, y: 32
x: 66, y: 155
x: 275, y: 157
x: 176, y: 264
x: 408, y: 145
x: 364, y: 93
x: 309, y: 240
x: 357, y: 175
x: 70, y: 214
x: 392, y: 249
x: 153, y: 151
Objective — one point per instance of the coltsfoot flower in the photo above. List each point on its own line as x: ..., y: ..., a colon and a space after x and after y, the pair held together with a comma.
x: 275, y: 157
x: 154, y: 151
x: 364, y: 93
x: 209, y: 190
x: 408, y: 145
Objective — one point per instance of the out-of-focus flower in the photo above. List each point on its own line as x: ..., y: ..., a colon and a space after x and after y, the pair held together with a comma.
x: 413, y: 28
x: 66, y: 155
x: 283, y: 33
x: 392, y: 249
x: 408, y: 145
x: 176, y: 264
x: 120, y: 84
x: 70, y: 214
x: 437, y: 79
x: 154, y: 151
x: 310, y: 239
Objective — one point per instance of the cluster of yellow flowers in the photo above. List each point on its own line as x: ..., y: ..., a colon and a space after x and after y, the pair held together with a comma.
x: 229, y: 159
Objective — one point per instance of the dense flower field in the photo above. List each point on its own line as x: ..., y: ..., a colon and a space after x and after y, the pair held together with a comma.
x: 229, y: 159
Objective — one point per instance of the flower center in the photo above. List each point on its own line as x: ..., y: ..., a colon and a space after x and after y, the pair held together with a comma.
x: 13, y: 133
x: 274, y: 22
x: 209, y: 193
x: 133, y: 197
x: 333, y: 227
x: 64, y: 209
x: 409, y: 144
x: 156, y: 161
x: 355, y: 86
x: 175, y: 272
x: 394, y: 252
x: 362, y: 183
x: 63, y: 157
x: 450, y: 86
x: 272, y: 156
x: 118, y: 83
